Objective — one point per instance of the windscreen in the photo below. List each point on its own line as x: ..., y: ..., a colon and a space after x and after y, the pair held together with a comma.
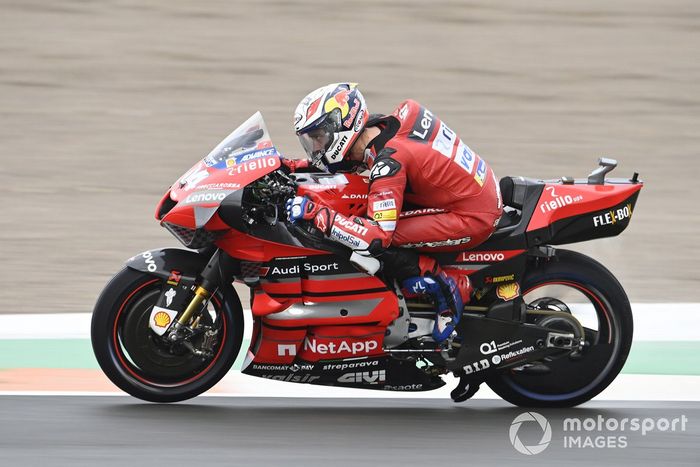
x: 249, y: 141
x: 242, y: 157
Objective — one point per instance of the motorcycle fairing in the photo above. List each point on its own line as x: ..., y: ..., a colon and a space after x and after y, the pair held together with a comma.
x: 486, y: 267
x: 300, y: 312
x: 242, y: 157
x: 501, y: 261
x: 607, y: 220
x: 161, y: 262
x: 540, y: 212
x: 220, y: 183
x: 307, y: 276
x: 381, y: 373
x: 560, y: 201
x: 372, y: 307
x: 313, y: 290
x: 346, y: 193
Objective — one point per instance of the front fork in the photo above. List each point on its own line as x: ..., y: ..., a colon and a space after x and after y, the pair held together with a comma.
x: 210, y: 281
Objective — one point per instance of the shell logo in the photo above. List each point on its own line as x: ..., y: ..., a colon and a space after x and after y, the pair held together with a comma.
x: 508, y: 291
x: 161, y: 319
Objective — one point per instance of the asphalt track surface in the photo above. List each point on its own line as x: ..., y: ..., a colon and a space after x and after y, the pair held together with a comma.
x: 78, y: 430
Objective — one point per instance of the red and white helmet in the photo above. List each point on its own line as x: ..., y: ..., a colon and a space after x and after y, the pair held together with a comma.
x: 328, y: 121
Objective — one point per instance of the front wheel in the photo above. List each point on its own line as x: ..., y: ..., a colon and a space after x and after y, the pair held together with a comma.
x: 576, y: 284
x: 140, y: 362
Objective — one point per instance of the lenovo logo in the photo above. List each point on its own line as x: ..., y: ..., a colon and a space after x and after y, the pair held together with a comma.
x: 485, y: 257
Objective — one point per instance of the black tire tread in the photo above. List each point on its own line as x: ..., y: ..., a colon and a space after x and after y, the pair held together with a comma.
x: 103, y: 315
x: 566, y: 263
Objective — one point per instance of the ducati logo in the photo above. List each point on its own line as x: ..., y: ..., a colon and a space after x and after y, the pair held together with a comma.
x: 339, y: 148
x: 350, y: 225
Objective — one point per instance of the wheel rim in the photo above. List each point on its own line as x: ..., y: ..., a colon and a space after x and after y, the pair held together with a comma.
x: 569, y: 378
x: 140, y: 353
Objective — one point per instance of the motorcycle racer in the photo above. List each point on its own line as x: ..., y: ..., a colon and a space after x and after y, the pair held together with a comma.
x: 427, y: 189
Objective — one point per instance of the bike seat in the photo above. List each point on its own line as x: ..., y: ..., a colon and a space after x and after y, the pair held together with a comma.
x: 510, y: 218
x: 515, y: 190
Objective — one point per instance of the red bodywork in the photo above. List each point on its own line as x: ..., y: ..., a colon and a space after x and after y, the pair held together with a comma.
x: 205, y: 187
x: 309, y: 303
x: 559, y: 201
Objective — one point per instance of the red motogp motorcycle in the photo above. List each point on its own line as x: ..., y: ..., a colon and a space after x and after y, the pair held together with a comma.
x: 544, y: 327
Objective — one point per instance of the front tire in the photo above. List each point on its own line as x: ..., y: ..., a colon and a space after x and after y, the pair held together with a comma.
x: 128, y: 353
x: 573, y: 381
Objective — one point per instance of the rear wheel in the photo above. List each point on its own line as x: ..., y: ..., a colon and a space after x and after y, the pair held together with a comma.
x: 146, y: 365
x: 576, y: 284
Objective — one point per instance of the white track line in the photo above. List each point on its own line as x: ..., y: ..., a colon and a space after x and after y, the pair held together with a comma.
x: 652, y: 322
x: 235, y: 384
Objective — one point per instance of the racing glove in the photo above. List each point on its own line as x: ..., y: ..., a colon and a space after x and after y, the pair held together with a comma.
x: 303, y: 208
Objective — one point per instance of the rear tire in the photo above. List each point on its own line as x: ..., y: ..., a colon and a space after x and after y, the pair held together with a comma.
x: 573, y: 382
x: 118, y: 327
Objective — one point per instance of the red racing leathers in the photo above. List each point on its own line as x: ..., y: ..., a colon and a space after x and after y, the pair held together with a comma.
x: 427, y: 189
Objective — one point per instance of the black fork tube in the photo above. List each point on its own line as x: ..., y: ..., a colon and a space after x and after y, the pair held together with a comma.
x: 211, y: 277
x: 207, y: 287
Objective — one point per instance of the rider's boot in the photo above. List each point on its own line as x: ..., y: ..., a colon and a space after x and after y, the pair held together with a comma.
x: 449, y: 290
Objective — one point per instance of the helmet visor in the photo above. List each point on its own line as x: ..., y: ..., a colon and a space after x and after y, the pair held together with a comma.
x: 318, y: 138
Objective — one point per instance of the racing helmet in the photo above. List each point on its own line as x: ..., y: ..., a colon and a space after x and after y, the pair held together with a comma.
x: 328, y: 121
